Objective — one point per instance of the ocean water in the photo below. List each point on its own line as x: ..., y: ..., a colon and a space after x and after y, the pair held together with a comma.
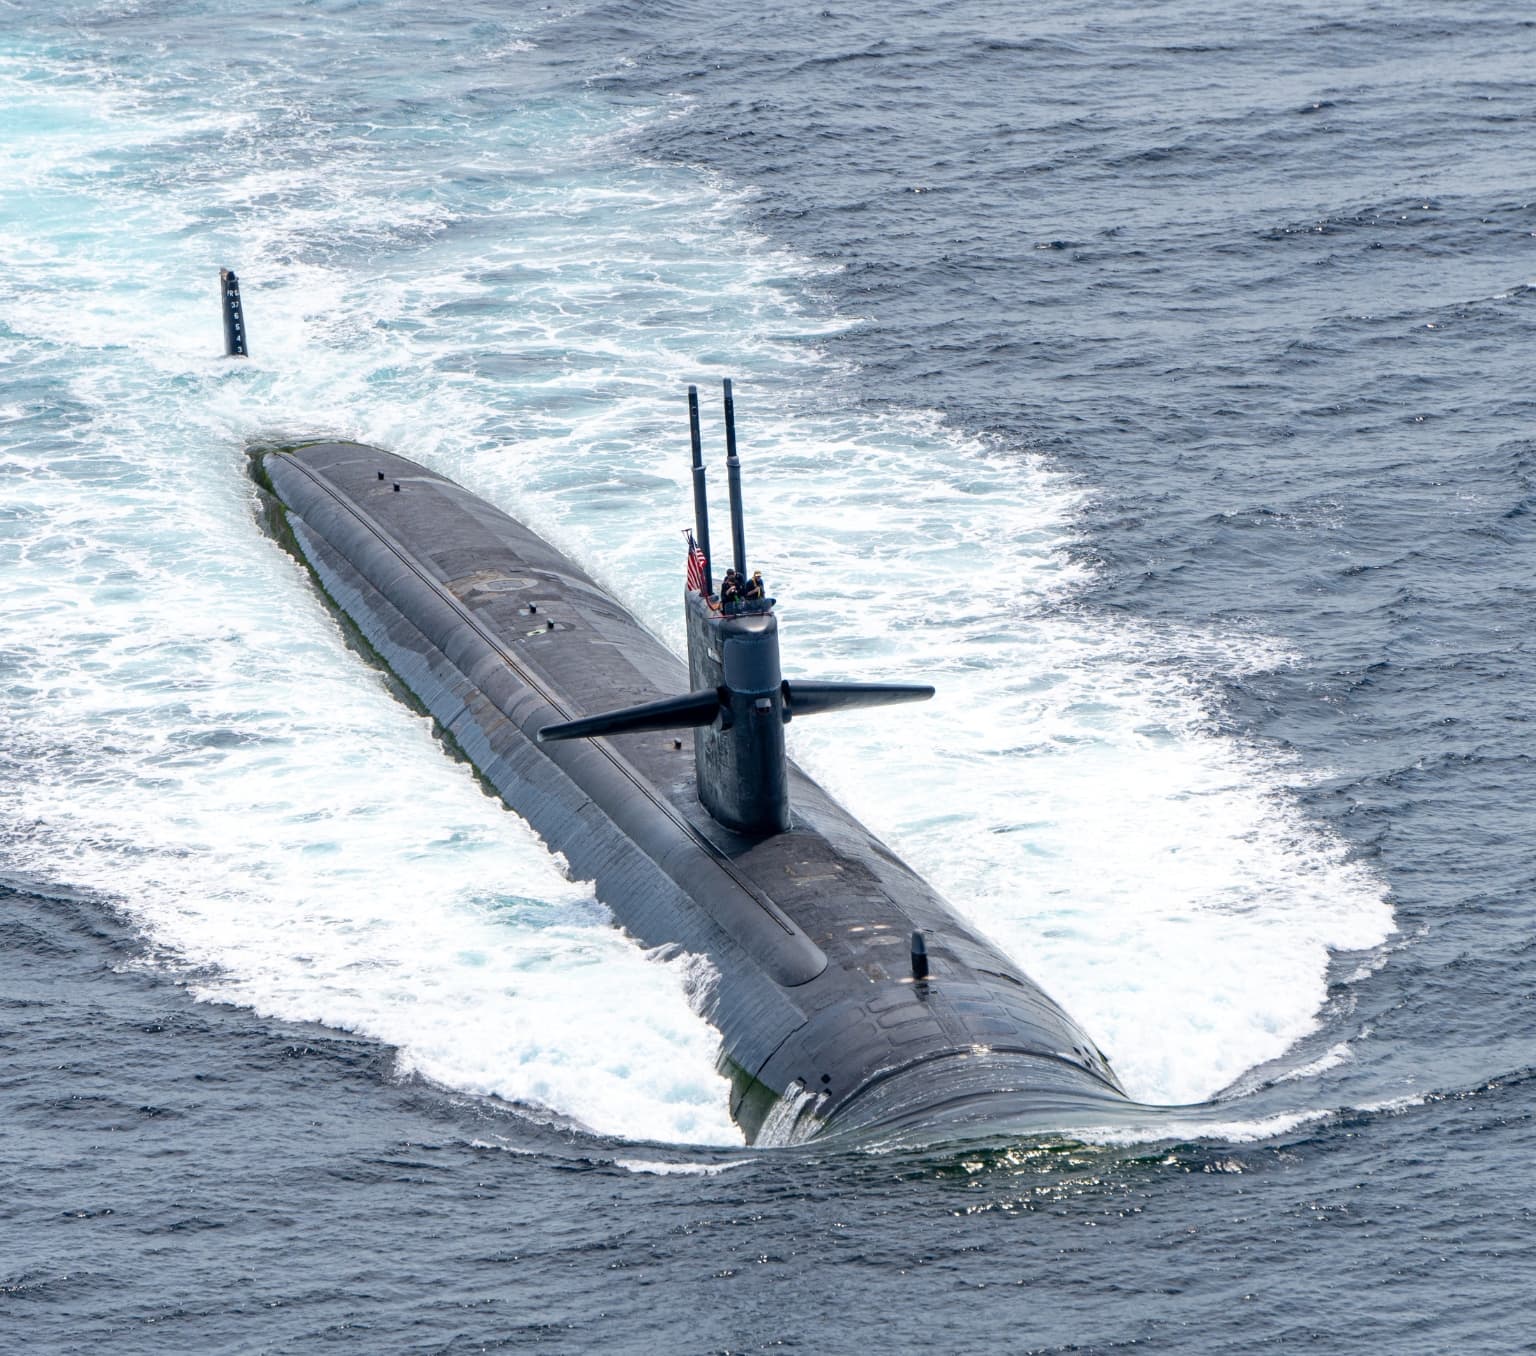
x: 1150, y: 379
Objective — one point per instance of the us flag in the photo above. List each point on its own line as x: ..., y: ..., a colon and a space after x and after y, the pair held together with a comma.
x: 696, y: 566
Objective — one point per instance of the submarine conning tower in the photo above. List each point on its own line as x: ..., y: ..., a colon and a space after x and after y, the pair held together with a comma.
x: 740, y: 701
x: 739, y: 758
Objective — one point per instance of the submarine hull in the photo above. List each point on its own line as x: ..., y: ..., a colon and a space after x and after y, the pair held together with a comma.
x: 822, y: 1021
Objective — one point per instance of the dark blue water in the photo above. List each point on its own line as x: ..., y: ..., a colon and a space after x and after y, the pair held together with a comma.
x: 1260, y: 285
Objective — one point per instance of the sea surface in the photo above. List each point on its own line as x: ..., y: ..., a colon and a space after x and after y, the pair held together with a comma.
x: 1156, y: 380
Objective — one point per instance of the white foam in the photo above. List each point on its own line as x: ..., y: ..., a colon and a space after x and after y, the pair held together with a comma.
x: 1331, y: 1058
x: 654, y: 1168
x: 528, y: 333
x: 1392, y: 1106
x: 1238, y: 1130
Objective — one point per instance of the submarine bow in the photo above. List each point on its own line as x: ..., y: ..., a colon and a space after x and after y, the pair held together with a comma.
x: 846, y: 992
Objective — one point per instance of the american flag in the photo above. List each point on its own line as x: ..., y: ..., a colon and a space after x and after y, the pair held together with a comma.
x: 696, y: 566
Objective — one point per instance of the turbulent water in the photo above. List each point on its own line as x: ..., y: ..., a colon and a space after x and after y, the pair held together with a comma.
x: 1152, y: 379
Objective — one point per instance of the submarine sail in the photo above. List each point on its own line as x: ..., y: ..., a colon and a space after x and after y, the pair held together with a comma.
x: 848, y: 994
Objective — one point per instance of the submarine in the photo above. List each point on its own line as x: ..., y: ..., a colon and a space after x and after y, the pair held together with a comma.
x: 849, y: 997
